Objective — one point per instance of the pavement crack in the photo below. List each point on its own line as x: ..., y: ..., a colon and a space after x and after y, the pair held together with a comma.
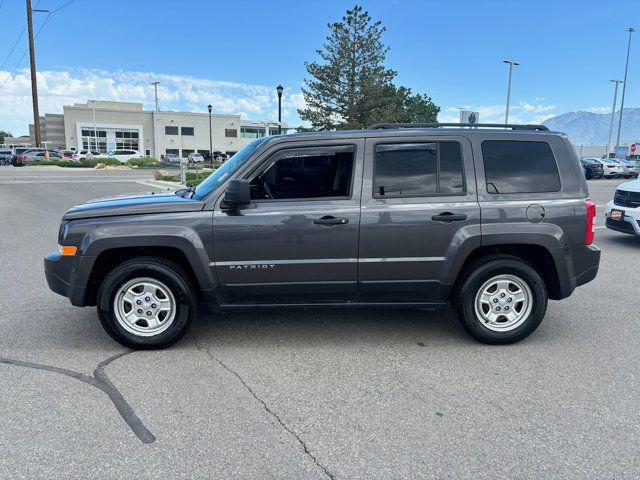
x: 101, y: 381
x: 290, y: 430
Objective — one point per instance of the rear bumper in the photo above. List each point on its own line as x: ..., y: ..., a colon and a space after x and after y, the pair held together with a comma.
x: 59, y: 272
x: 585, y: 261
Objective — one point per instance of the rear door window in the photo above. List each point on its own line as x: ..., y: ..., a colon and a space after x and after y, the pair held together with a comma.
x: 418, y: 170
x: 519, y: 167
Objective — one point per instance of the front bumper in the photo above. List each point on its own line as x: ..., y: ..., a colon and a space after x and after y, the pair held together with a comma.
x: 630, y: 223
x: 60, y: 271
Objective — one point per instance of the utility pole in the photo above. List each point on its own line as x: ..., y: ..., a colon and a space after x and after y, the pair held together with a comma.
x: 34, y: 83
x: 511, y: 64
x: 613, y: 111
x: 156, y: 129
x: 624, y: 86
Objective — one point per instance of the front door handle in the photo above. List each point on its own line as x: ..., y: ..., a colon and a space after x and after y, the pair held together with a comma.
x: 449, y: 217
x: 330, y: 220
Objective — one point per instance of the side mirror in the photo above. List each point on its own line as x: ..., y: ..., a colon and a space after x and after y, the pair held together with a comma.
x: 238, y: 194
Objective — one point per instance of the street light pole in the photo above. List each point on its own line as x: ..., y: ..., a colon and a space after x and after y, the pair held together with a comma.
x: 209, y: 107
x: 624, y: 86
x: 613, y: 111
x: 156, y: 134
x: 279, y: 89
x: 95, y: 129
x: 511, y: 64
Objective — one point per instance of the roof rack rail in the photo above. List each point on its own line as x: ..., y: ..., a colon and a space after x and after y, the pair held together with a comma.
x: 511, y: 126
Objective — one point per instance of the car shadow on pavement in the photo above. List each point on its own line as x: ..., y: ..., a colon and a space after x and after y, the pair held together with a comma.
x: 630, y: 241
x: 310, y: 327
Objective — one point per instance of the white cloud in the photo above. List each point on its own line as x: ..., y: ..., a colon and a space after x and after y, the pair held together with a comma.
x: 57, y: 88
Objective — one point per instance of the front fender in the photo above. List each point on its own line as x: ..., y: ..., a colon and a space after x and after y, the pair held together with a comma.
x: 185, y: 239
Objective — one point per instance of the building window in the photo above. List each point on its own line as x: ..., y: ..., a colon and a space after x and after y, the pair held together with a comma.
x: 231, y: 133
x: 127, y: 139
x: 186, y: 152
x: 91, y: 142
x: 169, y: 130
x: 251, y: 132
x: 172, y: 151
x: 91, y: 133
x: 187, y: 131
x: 273, y: 131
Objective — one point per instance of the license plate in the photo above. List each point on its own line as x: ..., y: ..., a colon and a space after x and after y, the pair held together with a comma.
x: 617, y: 215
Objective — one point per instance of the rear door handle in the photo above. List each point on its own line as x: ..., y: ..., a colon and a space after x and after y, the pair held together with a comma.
x: 330, y: 220
x: 449, y: 217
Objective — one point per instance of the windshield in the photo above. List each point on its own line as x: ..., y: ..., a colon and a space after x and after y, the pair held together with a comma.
x: 226, y: 170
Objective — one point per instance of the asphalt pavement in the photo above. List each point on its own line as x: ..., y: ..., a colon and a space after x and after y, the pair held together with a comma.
x: 314, y: 393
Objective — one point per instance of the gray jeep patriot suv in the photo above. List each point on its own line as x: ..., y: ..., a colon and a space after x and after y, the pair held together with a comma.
x: 494, y: 218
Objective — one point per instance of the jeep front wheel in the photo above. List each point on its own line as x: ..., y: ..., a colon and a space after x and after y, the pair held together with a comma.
x: 501, y: 300
x: 146, y: 303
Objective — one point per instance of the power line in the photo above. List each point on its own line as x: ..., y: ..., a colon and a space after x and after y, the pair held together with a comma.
x: 17, y: 40
x: 60, y: 8
x: 20, y: 36
x: 24, y: 54
x: 13, y: 48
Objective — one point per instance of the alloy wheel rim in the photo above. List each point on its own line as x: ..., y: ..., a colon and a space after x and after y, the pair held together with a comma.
x: 144, y: 307
x: 503, y: 303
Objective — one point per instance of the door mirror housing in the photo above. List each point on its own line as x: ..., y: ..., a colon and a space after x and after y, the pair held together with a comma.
x: 238, y: 194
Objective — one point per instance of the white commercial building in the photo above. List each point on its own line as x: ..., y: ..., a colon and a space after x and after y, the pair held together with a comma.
x: 107, y: 126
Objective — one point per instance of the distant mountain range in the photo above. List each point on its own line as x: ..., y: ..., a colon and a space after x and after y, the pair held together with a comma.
x: 587, y: 128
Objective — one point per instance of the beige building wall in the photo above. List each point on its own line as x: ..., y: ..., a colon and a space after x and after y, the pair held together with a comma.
x: 178, y: 132
x: 198, y: 124
x: 80, y: 117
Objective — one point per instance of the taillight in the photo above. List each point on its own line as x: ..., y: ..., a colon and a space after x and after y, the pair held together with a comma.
x: 591, y: 223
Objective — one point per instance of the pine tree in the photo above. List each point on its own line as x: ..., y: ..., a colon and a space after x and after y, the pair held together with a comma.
x: 352, y: 83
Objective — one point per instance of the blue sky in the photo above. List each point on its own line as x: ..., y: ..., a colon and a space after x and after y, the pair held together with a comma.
x: 233, y: 54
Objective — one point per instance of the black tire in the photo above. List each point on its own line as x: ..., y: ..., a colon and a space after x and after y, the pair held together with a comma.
x: 475, y: 276
x: 159, y: 269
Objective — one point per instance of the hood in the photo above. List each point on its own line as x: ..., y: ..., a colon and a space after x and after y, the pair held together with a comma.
x: 632, y: 186
x: 136, y: 205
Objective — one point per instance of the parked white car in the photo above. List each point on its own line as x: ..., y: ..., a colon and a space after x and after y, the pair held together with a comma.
x: 124, y: 155
x: 172, y: 158
x: 195, y: 157
x: 623, y: 212
x: 83, y: 154
x: 610, y: 168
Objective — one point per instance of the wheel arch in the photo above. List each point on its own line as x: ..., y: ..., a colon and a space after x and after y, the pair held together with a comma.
x: 538, y: 256
x: 110, y: 258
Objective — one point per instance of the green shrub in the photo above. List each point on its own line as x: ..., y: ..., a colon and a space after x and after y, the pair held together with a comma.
x: 142, y: 162
x: 191, y: 178
x: 104, y: 161
x: 60, y: 163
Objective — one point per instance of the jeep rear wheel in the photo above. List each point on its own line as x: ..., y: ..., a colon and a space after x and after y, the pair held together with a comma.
x: 146, y: 303
x: 501, y: 300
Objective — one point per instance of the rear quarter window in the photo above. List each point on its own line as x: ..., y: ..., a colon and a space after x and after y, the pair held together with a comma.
x: 519, y: 167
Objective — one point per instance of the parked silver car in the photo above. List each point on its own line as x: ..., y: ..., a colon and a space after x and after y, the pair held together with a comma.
x: 172, y: 158
x: 630, y: 168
